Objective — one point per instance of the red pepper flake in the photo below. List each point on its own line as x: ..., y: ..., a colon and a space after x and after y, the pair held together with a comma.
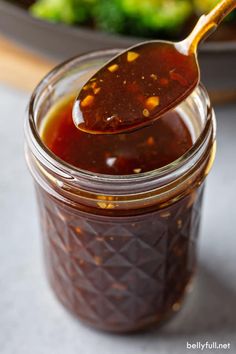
x: 164, y: 82
x: 78, y: 230
x: 94, y: 85
x: 177, y: 77
x: 150, y: 141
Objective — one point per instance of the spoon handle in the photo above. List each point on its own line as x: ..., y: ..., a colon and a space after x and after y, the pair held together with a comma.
x: 207, y: 24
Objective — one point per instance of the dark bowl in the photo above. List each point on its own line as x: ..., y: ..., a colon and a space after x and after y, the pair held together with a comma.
x: 58, y: 41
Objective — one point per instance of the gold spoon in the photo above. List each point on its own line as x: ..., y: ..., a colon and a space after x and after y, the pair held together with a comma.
x: 145, y: 81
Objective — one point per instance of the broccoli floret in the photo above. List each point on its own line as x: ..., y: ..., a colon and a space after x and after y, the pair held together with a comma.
x: 109, y: 16
x: 143, y: 18
x: 67, y: 11
x: 134, y: 17
x: 157, y: 15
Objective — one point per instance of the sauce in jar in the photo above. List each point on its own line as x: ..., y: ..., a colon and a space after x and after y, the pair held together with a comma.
x: 125, y: 271
x: 122, y: 154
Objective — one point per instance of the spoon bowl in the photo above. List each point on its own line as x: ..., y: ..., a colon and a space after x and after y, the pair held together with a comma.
x: 135, y: 88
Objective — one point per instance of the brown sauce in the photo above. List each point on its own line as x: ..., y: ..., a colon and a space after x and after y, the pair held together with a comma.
x: 136, y: 88
x: 119, y: 270
x: 121, y: 154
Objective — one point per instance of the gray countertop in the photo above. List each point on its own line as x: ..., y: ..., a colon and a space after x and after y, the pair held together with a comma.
x: 33, y: 322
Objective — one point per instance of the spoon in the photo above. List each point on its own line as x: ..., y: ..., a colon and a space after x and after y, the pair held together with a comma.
x: 145, y: 81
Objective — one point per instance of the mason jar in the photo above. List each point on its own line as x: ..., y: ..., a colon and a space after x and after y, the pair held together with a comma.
x: 120, y: 251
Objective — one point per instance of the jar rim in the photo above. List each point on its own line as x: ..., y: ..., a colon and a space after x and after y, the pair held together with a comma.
x: 41, y: 151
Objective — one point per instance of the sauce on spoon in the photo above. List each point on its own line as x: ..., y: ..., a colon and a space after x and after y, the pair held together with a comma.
x: 135, y: 87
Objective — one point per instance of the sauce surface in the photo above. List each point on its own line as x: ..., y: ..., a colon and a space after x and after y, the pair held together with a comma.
x: 120, y: 154
x: 136, y: 88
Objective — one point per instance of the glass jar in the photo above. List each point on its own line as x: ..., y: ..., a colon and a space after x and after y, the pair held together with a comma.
x: 120, y: 251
